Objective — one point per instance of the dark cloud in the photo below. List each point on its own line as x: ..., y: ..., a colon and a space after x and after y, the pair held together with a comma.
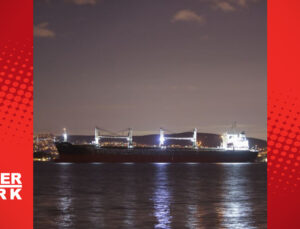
x: 224, y: 6
x: 187, y: 15
x: 43, y: 30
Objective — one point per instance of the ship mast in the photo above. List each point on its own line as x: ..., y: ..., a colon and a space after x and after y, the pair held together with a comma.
x: 65, y: 135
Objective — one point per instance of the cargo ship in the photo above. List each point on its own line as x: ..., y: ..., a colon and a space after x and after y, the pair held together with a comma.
x: 234, y: 148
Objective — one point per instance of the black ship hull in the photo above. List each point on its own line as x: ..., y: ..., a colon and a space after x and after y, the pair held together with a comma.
x: 91, y: 153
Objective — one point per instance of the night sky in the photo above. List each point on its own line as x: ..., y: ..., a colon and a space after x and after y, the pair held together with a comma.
x: 147, y: 64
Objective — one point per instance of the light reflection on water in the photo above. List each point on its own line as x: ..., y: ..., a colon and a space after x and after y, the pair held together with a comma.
x: 159, y: 195
x: 129, y: 200
x: 64, y: 203
x: 236, y: 209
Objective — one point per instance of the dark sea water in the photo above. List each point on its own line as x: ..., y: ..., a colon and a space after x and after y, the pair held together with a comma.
x: 232, y: 196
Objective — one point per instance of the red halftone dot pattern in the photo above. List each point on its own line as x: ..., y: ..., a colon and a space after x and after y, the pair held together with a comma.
x: 283, y: 142
x: 16, y: 92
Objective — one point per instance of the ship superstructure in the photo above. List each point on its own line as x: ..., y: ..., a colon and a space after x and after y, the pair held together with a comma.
x: 235, y: 141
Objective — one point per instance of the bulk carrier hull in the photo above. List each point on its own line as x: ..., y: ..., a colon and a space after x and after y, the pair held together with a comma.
x: 91, y: 153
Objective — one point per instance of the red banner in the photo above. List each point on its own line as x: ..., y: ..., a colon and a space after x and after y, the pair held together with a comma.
x: 16, y: 114
x: 283, y: 114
